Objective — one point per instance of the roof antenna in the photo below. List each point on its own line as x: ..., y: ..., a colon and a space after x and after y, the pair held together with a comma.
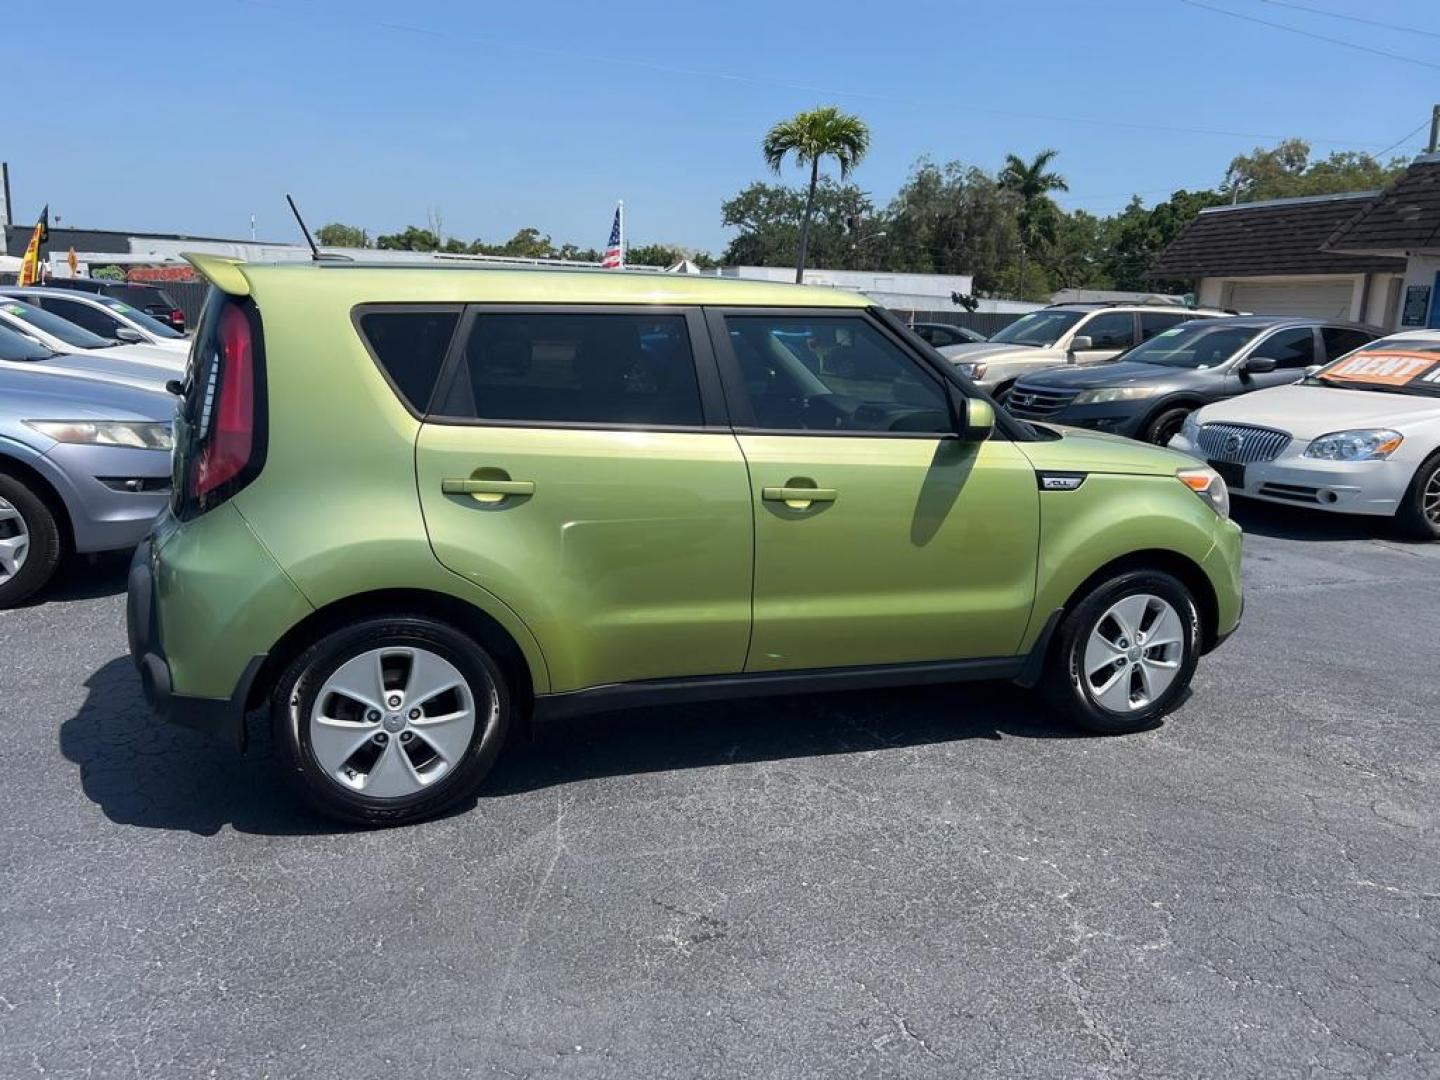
x: 314, y: 251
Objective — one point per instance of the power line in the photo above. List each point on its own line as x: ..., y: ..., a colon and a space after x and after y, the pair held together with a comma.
x: 1352, y: 18
x: 1317, y: 37
x: 1418, y: 128
x: 733, y: 77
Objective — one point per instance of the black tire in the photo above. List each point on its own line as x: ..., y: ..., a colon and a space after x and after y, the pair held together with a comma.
x: 1063, y: 681
x: 294, y: 699
x: 1166, y: 424
x: 1411, y: 516
x: 44, y: 547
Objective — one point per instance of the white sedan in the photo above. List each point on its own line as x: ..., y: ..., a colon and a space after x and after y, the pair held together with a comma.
x: 103, y: 315
x: 61, y: 336
x: 1360, y: 436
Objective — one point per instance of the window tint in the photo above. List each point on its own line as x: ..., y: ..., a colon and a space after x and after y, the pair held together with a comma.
x: 1109, y: 330
x: 832, y: 374
x: 1290, y: 348
x: 1153, y: 322
x: 410, y: 346
x: 579, y: 369
x: 83, y: 315
x: 1339, y: 340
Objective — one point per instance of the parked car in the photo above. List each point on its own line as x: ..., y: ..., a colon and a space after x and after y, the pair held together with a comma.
x: 415, y: 506
x: 84, y: 467
x: 19, y: 352
x: 1361, y: 436
x: 61, y: 335
x: 153, y: 300
x: 103, y: 316
x: 1149, y: 391
x: 940, y: 334
x: 1064, y: 334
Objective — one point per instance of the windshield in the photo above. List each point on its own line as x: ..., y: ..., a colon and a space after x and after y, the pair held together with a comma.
x: 140, y: 319
x: 16, y: 346
x: 1394, y: 366
x: 74, y: 336
x: 1193, y: 347
x: 1040, y: 328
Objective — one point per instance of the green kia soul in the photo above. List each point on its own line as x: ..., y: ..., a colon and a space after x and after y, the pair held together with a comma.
x: 417, y: 507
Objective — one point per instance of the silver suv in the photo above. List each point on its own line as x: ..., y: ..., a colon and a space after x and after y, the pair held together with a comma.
x: 1066, y: 334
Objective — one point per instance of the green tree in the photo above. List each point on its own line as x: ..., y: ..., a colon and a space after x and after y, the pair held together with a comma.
x: 1138, y: 235
x: 336, y: 234
x: 1038, y: 217
x: 1287, y: 171
x: 810, y: 137
x: 771, y: 217
x: 412, y: 238
x: 950, y: 219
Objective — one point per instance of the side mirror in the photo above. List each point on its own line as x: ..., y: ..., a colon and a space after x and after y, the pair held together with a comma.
x: 125, y: 333
x: 1259, y: 365
x: 1081, y: 343
x: 977, y: 420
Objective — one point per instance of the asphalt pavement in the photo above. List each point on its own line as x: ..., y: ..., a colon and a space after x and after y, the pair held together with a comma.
x: 932, y: 883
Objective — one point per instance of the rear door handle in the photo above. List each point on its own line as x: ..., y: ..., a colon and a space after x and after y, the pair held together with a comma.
x: 487, y: 491
x: 798, y: 498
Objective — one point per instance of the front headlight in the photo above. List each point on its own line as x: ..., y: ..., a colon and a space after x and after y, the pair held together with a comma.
x: 138, y: 435
x: 974, y: 369
x: 1361, y: 444
x: 1191, y: 428
x: 1207, y: 484
x: 1114, y: 393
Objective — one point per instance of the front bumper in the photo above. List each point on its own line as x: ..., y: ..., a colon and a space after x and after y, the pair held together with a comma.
x: 1345, y: 487
x: 107, y: 513
x: 1113, y: 418
x: 221, y: 718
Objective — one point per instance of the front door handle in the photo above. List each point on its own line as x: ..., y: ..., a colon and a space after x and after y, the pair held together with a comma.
x: 486, y: 491
x: 798, y: 498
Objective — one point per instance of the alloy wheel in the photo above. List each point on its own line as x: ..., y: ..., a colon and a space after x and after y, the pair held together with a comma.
x: 14, y: 540
x: 1430, y: 499
x: 393, y: 721
x: 1133, y: 653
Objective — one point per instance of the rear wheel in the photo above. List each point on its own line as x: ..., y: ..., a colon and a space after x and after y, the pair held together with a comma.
x: 29, y: 542
x: 390, y: 721
x: 1419, y: 513
x: 1125, y: 654
x: 1166, y: 424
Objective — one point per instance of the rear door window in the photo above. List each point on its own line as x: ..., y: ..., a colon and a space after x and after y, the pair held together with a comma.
x: 410, y: 347
x: 92, y: 318
x: 1109, y: 330
x: 601, y: 369
x: 1154, y: 322
x: 1339, y: 340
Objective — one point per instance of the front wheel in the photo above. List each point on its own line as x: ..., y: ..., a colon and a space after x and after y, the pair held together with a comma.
x: 1125, y: 654
x: 1419, y: 512
x: 390, y: 720
x: 30, y: 544
x: 1165, y: 425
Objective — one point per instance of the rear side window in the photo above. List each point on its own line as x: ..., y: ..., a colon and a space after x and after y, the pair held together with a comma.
x: 1110, y: 330
x: 82, y: 314
x: 602, y: 369
x: 1340, y: 340
x: 1153, y: 322
x: 1289, y: 348
x: 410, y: 347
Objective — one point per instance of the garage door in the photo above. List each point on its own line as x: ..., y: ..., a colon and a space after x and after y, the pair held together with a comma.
x: 1319, y: 300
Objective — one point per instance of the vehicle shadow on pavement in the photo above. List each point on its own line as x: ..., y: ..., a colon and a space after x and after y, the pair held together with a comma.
x: 142, y: 771
x: 84, y: 577
x: 1303, y: 523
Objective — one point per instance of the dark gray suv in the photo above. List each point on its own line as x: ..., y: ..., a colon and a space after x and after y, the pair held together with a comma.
x: 1146, y: 393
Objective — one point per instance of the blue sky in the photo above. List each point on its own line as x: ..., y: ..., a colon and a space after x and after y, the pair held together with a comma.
x: 195, y: 115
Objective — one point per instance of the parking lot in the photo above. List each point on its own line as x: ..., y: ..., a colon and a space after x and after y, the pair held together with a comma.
x: 936, y: 882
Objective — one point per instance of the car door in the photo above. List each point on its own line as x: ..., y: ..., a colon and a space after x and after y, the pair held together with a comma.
x: 1110, y: 334
x: 1293, y: 350
x: 571, y: 465
x: 880, y: 537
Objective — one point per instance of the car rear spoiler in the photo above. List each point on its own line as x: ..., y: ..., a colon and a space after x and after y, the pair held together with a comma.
x: 221, y: 271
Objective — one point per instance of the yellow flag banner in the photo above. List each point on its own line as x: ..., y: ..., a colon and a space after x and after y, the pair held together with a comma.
x: 30, y: 263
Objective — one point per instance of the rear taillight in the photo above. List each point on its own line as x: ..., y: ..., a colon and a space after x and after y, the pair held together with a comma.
x: 228, y: 442
x: 177, y: 319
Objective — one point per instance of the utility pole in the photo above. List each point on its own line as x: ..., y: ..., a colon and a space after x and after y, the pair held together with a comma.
x: 1434, y: 129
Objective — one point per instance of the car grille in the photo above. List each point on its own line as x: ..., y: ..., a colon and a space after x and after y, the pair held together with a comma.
x: 1036, y: 403
x: 1241, y: 444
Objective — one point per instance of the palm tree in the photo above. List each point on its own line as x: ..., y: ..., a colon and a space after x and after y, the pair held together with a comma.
x: 1032, y: 183
x: 810, y: 136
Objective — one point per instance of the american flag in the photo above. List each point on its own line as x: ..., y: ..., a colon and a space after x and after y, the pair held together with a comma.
x: 615, y: 249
